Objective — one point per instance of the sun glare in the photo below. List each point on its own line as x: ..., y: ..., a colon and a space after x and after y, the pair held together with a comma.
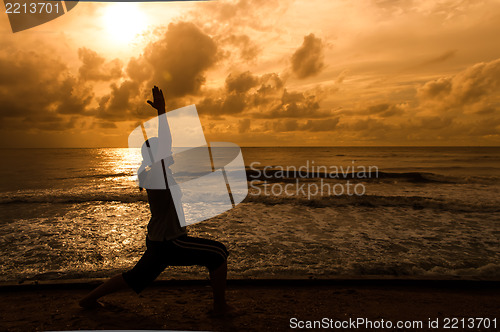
x: 124, y: 21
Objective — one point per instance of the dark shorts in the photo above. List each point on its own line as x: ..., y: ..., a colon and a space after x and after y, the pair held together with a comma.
x: 182, y: 251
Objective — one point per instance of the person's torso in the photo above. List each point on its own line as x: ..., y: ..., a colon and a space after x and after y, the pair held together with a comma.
x: 164, y: 223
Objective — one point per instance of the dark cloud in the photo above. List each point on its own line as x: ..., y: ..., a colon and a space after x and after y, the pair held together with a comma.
x: 236, y: 96
x: 285, y: 125
x: 369, y: 129
x: 105, y: 124
x: 435, y: 122
x: 244, y: 126
x: 49, y: 122
x: 139, y: 70
x: 180, y: 59
x: 74, y: 99
x: 383, y: 110
x: 273, y: 100
x: 37, y: 91
x: 233, y: 103
x: 227, y: 104
x: 122, y: 103
x: 476, y: 84
x: 487, y: 110
x: 296, y: 105
x: 366, y: 125
x: 241, y: 83
x: 321, y: 125
x: 310, y: 125
x: 307, y: 60
x: 433, y: 89
x: 261, y: 97
x: 95, y: 67
x: 485, y: 127
x: 271, y: 88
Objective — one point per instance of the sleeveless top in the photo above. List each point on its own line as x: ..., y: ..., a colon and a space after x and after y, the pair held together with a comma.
x: 164, y: 223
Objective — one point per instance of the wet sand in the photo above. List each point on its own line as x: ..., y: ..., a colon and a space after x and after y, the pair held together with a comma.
x: 267, y: 305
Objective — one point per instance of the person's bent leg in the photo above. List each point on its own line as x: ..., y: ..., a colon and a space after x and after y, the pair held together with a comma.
x: 110, y: 286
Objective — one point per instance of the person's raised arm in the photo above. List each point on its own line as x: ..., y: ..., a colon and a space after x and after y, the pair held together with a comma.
x: 164, y: 135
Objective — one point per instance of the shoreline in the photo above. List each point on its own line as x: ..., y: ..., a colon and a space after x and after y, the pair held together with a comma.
x: 368, y: 280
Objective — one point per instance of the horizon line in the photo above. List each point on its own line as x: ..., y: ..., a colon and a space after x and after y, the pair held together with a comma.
x: 288, y: 146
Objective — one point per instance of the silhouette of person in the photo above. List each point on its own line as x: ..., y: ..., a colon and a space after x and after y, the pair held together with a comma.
x: 167, y: 242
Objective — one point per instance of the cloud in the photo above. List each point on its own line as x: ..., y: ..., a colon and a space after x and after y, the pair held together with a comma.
x: 434, y: 122
x: 105, y: 124
x: 433, y: 89
x: 383, y: 110
x: 216, y: 63
x: 241, y: 83
x: 284, y: 126
x: 248, y: 50
x: 296, y: 105
x: 323, y: 125
x: 486, y: 110
x: 474, y: 88
x: 49, y: 122
x: 224, y: 104
x: 307, y: 60
x: 262, y: 97
x: 74, y: 98
x: 177, y: 63
x: 38, y: 91
x: 485, y: 127
x: 95, y: 67
x: 139, y: 70
x: 123, y: 103
x: 179, y: 60
x: 242, y: 91
x: 476, y: 82
x: 244, y: 126
x: 232, y: 15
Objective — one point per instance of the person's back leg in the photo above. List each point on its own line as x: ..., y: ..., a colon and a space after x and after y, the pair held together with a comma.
x: 110, y: 286
x: 147, y: 269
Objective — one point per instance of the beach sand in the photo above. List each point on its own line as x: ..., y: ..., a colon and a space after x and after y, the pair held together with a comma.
x: 267, y: 305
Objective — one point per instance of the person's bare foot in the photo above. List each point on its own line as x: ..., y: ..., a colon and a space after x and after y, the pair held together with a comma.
x: 224, y: 310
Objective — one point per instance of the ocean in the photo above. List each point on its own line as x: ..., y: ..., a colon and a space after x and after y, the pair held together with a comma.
x: 310, y: 213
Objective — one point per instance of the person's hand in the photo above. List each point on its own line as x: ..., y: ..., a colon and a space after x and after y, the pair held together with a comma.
x: 158, y: 100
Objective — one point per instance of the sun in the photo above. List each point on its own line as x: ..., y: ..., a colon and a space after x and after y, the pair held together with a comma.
x: 124, y: 21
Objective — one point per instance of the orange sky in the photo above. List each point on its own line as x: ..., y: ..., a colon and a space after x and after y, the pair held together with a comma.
x: 261, y: 72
